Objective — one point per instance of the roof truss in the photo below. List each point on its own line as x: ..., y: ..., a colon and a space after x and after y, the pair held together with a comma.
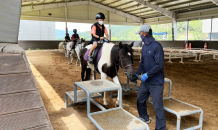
x: 215, y: 2
x: 164, y: 11
x: 69, y: 4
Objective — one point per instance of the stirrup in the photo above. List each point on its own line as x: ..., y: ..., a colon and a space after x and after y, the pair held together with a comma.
x: 90, y: 59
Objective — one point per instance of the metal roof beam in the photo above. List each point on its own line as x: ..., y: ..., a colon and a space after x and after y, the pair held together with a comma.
x: 193, y: 5
x: 184, y: 3
x: 161, y: 2
x: 164, y: 11
x: 136, y: 6
x: 114, y: 2
x: 138, y: 9
x: 130, y: 7
x: 101, y: 1
x: 151, y: 15
x: 215, y: 2
x: 69, y: 4
x: 74, y: 20
x: 121, y: 13
x: 188, y: 14
x: 123, y: 4
x: 141, y: 10
x: 174, y: 3
x: 144, y: 13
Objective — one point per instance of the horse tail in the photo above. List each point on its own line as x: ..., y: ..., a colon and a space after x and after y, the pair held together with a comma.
x: 60, y: 47
x: 84, y: 65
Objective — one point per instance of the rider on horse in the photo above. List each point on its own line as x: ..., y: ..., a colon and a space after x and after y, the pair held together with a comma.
x: 97, y: 32
x: 74, y: 37
x: 67, y: 38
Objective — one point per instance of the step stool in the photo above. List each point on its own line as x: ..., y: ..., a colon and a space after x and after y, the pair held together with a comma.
x: 115, y: 118
x: 180, y: 108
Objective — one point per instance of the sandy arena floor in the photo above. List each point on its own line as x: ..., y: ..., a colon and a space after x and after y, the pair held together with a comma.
x: 194, y: 83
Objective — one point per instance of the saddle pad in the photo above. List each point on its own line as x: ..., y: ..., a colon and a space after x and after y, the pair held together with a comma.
x: 98, y: 55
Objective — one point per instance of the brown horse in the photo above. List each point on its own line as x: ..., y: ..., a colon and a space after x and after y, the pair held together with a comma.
x: 112, y: 57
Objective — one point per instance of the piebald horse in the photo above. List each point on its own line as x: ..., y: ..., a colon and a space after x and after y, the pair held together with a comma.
x: 112, y: 57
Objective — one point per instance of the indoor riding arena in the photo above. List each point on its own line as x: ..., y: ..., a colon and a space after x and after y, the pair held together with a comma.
x: 47, y: 85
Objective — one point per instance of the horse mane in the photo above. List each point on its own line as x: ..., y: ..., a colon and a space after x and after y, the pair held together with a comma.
x: 115, y: 53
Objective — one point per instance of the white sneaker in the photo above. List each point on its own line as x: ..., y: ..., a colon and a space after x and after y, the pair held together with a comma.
x: 144, y: 120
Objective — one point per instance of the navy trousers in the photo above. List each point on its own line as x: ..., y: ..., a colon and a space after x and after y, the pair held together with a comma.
x: 156, y: 93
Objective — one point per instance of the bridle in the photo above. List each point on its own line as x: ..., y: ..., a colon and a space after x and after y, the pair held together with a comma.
x: 125, y: 71
x: 125, y: 67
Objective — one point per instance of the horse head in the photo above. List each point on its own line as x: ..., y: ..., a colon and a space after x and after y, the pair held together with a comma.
x: 126, y: 60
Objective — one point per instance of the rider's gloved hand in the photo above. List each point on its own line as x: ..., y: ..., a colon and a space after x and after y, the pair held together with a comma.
x: 144, y: 77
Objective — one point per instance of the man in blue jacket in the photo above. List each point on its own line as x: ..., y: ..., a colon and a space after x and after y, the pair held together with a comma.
x: 152, y: 69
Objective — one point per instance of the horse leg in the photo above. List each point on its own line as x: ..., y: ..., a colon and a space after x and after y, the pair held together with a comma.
x: 83, y: 70
x: 65, y: 53
x: 68, y: 54
x: 77, y: 61
x: 116, y: 80
x: 88, y: 73
x: 104, y: 76
x: 71, y: 57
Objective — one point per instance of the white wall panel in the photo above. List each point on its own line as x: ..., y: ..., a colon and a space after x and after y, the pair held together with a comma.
x: 9, y: 20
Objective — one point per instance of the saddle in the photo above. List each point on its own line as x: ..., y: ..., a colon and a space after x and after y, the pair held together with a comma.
x: 95, y: 53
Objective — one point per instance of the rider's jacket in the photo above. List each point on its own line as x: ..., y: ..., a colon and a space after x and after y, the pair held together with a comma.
x: 67, y: 37
x: 75, y: 36
x: 99, y: 32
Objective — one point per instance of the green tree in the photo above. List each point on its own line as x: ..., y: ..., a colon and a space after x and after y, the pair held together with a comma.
x: 195, y: 30
x: 181, y: 30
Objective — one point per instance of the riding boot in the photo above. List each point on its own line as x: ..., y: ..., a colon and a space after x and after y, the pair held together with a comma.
x: 90, y: 59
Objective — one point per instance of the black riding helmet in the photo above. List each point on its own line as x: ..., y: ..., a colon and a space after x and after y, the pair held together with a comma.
x: 100, y: 16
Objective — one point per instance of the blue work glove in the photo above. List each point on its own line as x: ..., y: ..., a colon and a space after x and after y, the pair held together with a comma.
x: 144, y: 77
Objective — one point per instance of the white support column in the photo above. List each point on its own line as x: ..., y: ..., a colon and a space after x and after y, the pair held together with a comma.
x: 66, y: 18
x: 174, y: 31
x: 187, y: 28
x: 110, y: 32
x: 211, y: 27
x: 109, y: 25
x: 89, y: 10
x: 142, y: 21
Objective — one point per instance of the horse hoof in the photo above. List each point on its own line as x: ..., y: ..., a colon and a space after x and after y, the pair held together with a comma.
x: 117, y: 103
x: 106, y: 106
